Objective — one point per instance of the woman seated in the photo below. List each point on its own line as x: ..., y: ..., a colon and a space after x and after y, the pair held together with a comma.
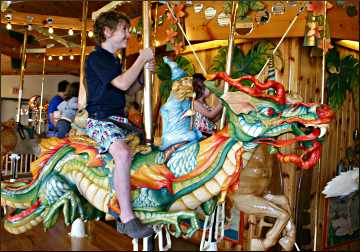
x: 205, y: 116
x: 67, y: 110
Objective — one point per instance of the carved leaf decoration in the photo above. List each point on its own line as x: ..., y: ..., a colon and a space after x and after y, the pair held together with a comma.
x: 249, y: 64
x: 343, y: 78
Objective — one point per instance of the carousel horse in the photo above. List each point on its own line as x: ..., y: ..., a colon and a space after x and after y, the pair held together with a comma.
x: 70, y: 175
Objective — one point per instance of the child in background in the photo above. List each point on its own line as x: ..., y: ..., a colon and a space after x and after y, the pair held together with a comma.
x: 204, y: 114
x: 67, y: 110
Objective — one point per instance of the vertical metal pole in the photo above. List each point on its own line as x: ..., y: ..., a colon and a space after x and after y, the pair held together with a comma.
x: 14, y: 162
x: 82, y: 90
x: 22, y: 72
x: 147, y: 73
x: 42, y: 94
x: 229, y: 56
x: 318, y: 170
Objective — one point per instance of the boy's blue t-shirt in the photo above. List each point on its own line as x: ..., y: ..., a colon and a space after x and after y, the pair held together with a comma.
x: 54, y: 102
x: 101, y: 68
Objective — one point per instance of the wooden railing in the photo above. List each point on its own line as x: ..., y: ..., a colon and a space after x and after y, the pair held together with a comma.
x: 23, y: 165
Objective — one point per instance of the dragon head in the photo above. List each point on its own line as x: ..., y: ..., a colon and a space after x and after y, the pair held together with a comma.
x: 261, y: 112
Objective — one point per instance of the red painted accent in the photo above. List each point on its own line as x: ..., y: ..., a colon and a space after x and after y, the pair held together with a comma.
x: 281, y: 143
x: 258, y: 91
x: 24, y: 213
x: 270, y: 111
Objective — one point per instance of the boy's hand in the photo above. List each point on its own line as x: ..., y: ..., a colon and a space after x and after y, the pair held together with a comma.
x: 150, y: 65
x: 147, y: 54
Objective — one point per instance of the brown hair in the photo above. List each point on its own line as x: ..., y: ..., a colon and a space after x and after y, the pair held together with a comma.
x: 108, y: 19
x: 71, y: 91
x: 198, y: 84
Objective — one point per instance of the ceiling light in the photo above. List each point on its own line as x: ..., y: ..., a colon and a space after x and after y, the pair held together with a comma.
x: 8, y: 26
x: 51, y: 30
x: 90, y: 34
x: 50, y: 58
x: 72, y: 57
x: 71, y: 32
x: 61, y: 57
x: 29, y: 21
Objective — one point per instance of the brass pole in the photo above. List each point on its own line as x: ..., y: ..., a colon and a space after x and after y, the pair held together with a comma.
x: 318, y: 170
x: 146, y: 9
x: 229, y: 56
x: 42, y: 94
x: 22, y: 73
x: 82, y: 89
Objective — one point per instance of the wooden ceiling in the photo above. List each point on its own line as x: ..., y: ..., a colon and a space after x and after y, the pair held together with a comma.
x: 10, y: 43
x: 198, y: 28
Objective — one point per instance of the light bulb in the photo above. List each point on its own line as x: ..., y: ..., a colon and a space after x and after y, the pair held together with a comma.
x: 90, y: 34
x: 50, y: 58
x: 72, y: 57
x: 61, y: 57
x: 71, y: 32
x: 8, y: 26
x: 51, y: 30
x: 29, y: 27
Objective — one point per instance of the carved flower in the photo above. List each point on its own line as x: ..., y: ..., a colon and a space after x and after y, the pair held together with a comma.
x: 317, y: 7
x: 328, y: 44
x: 178, y: 47
x: 178, y: 9
x: 170, y: 18
x: 170, y: 35
x: 314, y: 29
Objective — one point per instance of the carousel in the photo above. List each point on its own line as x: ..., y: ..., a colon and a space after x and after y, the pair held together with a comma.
x: 277, y: 169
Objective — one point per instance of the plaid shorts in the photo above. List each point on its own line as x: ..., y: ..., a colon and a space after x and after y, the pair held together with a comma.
x: 105, y: 133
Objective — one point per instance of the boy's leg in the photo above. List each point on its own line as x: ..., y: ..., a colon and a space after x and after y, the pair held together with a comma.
x: 122, y: 158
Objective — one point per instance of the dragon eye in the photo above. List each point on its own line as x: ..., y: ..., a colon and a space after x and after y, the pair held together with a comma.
x: 270, y: 112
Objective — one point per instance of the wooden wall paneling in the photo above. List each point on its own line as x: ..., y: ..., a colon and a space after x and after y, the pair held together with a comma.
x: 338, y: 139
x: 289, y: 170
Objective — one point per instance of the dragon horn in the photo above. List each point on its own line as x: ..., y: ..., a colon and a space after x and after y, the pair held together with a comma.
x: 258, y: 91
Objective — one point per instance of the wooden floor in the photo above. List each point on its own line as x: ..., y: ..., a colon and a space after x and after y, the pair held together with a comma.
x: 101, y: 236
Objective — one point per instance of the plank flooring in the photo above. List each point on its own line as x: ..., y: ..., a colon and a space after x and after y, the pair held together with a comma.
x: 101, y: 236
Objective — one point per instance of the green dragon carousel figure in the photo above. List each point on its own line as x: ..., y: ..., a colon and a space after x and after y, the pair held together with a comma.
x: 168, y: 187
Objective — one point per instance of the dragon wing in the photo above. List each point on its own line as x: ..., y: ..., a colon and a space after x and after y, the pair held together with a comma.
x: 343, y: 184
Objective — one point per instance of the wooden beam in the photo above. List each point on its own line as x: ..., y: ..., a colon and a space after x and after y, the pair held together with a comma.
x: 353, y: 45
x: 57, y: 51
x: 57, y: 38
x: 211, y: 45
x: 110, y: 6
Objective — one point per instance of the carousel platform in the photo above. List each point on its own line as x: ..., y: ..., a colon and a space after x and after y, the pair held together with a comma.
x: 101, y: 236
